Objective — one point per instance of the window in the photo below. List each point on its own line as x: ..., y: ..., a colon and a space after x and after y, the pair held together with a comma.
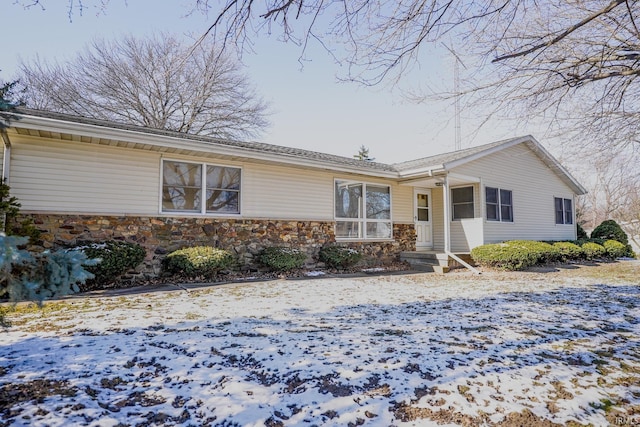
x: 564, y: 210
x: 462, y: 201
x: 184, y: 185
x: 499, y: 204
x: 362, y: 211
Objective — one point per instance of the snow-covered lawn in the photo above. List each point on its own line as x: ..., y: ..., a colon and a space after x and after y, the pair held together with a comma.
x: 421, y: 349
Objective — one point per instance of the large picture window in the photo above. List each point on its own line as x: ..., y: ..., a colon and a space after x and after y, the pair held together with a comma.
x: 200, y: 188
x: 499, y: 204
x: 362, y: 211
x: 462, y: 202
x: 564, y: 210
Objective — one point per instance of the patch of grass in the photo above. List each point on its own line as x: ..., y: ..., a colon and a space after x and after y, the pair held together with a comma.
x: 463, y: 389
x: 192, y: 316
x: 396, y: 332
x: 604, y: 404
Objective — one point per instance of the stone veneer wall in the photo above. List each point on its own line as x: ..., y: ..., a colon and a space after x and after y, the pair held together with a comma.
x: 243, y: 237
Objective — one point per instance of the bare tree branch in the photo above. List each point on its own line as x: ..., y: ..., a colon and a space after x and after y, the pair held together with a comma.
x: 152, y: 83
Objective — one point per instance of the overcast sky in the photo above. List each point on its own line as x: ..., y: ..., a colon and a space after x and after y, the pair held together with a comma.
x: 311, y: 109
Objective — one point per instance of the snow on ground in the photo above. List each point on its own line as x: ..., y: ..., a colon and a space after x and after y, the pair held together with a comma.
x: 379, y: 351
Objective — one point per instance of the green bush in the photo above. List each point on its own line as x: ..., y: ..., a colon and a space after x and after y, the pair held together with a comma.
x: 615, y: 249
x: 503, y: 256
x: 515, y: 254
x: 339, y: 257
x: 281, y: 258
x: 569, y: 251
x: 543, y: 252
x: 593, y: 250
x: 117, y: 257
x: 610, y: 230
x: 580, y: 233
x: 198, y: 261
x: 9, y: 213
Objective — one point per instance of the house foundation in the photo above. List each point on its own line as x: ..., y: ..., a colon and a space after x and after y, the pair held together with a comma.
x: 245, y: 238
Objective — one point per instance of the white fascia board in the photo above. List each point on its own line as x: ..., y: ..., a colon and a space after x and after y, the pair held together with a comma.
x: 537, y: 148
x: 422, y: 172
x: 554, y: 165
x: 510, y: 143
x: 166, y: 141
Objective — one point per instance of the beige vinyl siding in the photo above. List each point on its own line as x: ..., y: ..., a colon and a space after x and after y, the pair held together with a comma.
x: 402, y: 204
x: 286, y: 193
x: 533, y: 185
x: 1, y: 161
x: 66, y: 176
x: 292, y: 193
x: 60, y: 176
x: 437, y: 222
x: 467, y: 233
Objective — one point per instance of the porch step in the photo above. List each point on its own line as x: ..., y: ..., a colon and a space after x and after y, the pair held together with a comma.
x: 432, y: 260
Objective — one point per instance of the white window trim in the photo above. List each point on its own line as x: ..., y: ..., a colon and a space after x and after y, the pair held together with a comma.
x: 499, y: 206
x: 203, y: 184
x: 473, y: 188
x: 363, y: 221
x: 573, y: 212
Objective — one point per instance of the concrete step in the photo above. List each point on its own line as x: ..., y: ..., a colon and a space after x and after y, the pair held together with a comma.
x: 432, y: 261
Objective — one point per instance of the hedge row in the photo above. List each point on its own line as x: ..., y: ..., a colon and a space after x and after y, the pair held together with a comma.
x: 208, y: 261
x: 520, y: 254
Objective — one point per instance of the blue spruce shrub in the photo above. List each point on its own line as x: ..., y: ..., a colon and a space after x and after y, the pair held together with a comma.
x: 36, y: 277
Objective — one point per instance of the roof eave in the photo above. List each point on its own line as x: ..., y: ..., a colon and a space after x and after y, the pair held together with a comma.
x: 426, y: 171
x: 166, y: 141
x: 537, y: 148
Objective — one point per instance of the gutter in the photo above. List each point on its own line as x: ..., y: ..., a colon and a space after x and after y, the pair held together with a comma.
x: 183, y: 142
x: 408, y: 175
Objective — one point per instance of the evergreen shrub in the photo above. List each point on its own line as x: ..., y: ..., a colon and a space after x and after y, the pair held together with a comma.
x: 569, y: 251
x: 117, y: 257
x: 339, y: 257
x: 610, y: 230
x: 542, y: 251
x: 280, y: 258
x: 515, y: 254
x: 580, y: 233
x: 593, y: 250
x: 615, y: 249
x: 198, y: 261
x: 9, y: 212
x: 503, y: 256
x: 36, y: 277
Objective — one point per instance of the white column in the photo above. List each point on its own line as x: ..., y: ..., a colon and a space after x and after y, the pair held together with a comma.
x: 447, y: 214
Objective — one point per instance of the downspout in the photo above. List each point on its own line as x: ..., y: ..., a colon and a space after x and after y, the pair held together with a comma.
x: 447, y: 227
x: 6, y: 157
x: 6, y: 161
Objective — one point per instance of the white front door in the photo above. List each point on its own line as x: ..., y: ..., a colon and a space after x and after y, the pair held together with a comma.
x: 422, y: 218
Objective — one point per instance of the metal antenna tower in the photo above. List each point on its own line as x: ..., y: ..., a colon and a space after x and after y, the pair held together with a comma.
x: 457, y: 94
